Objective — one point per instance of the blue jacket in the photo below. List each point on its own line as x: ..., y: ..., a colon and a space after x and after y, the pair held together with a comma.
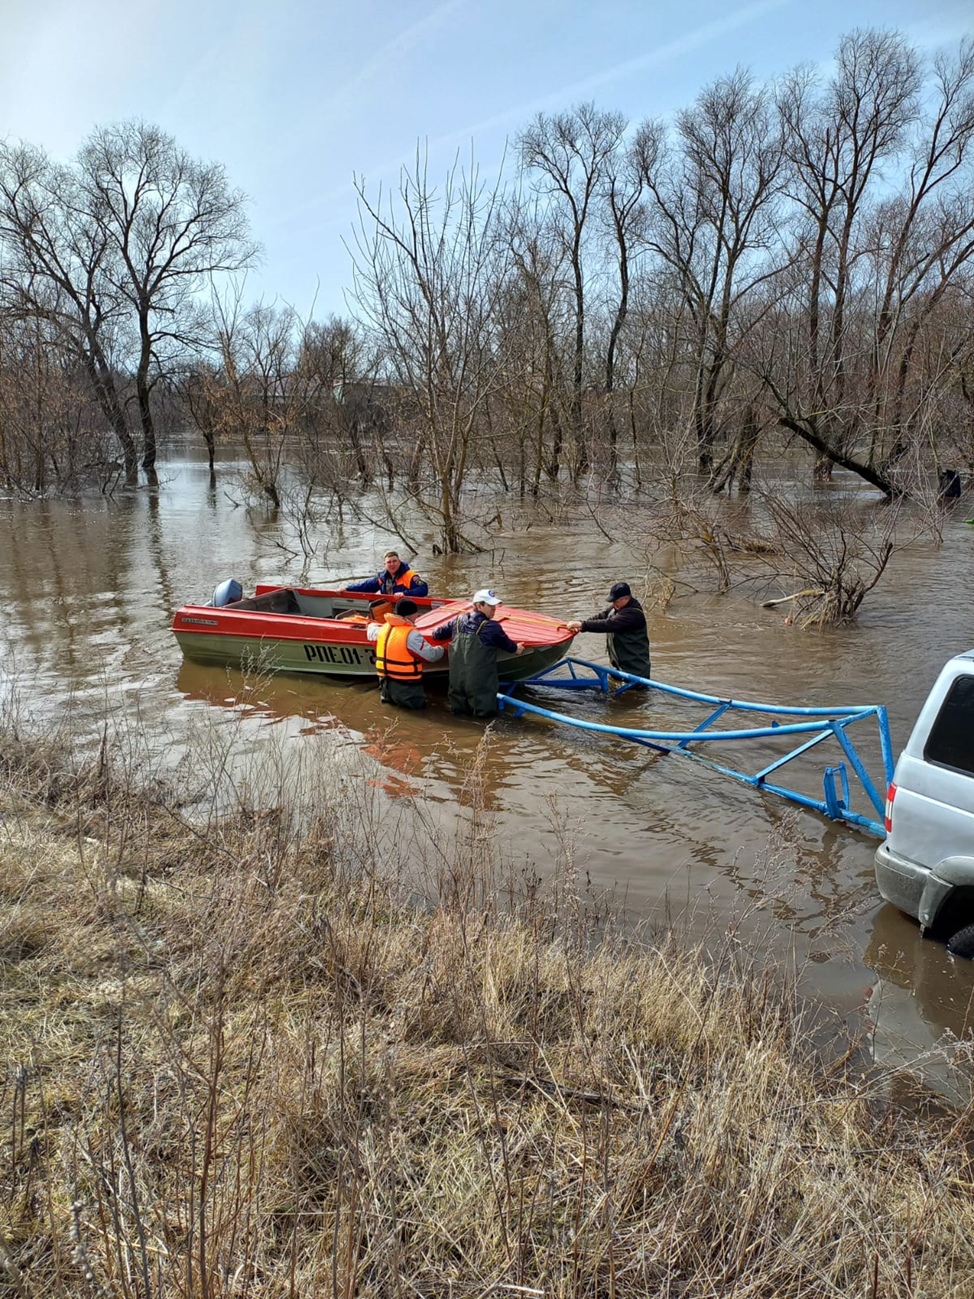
x: 471, y: 624
x: 405, y: 582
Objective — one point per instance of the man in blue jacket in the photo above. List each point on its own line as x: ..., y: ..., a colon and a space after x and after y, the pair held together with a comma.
x: 475, y: 641
x: 396, y: 578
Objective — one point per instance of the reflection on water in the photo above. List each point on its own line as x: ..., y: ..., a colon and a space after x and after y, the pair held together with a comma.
x: 920, y: 1006
x: 89, y: 587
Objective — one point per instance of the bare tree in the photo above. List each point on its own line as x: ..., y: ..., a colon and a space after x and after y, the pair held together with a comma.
x: 837, y: 143
x: 623, y: 194
x: 835, y: 551
x: 338, y: 368
x: 249, y: 395
x: 260, y: 358
x: 115, y: 249
x: 922, y: 244
x: 171, y: 224
x: 573, y: 155
x: 428, y: 272
x: 529, y: 333
x: 52, y: 269
x: 49, y: 423
x: 714, y: 221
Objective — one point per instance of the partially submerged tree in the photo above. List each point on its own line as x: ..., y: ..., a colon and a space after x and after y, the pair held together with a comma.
x: 713, y: 219
x: 337, y: 368
x: 52, y: 269
x: 170, y: 223
x: 49, y: 420
x: 112, y: 251
x: 831, y: 551
x: 250, y: 398
x: 575, y: 158
x: 429, y: 270
x: 529, y: 333
x: 883, y: 179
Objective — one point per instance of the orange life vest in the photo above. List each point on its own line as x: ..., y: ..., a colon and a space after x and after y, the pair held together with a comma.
x: 390, y: 585
x: 393, y: 657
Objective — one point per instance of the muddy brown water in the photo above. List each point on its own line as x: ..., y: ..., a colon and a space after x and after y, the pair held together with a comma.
x: 88, y: 588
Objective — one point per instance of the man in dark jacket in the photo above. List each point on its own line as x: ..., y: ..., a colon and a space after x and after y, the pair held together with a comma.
x: 396, y: 578
x: 626, y: 635
x: 475, y: 641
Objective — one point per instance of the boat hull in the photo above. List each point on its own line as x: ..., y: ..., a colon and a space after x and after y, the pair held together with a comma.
x: 271, y: 653
x: 309, y: 641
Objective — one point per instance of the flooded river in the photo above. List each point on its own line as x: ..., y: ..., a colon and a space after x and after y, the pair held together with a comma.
x: 88, y: 588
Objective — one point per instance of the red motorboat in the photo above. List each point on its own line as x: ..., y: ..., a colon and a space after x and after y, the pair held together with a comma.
x: 299, y: 629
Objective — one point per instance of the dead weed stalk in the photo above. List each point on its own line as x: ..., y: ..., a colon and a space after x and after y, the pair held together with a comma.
x: 241, y: 1061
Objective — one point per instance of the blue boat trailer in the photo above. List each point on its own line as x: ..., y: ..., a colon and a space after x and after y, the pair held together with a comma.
x: 809, y: 727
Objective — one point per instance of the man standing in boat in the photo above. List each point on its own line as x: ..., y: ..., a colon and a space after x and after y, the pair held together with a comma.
x: 475, y: 641
x: 626, y: 634
x: 396, y: 578
x: 400, y: 652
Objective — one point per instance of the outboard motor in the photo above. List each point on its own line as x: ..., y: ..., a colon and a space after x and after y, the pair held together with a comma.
x: 226, y: 593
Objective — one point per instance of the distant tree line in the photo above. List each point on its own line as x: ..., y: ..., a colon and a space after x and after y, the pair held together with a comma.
x: 783, y: 264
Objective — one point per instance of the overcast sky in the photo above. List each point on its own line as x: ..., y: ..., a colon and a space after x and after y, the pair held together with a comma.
x: 295, y: 97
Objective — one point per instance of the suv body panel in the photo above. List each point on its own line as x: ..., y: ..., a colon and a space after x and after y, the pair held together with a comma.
x: 927, y: 859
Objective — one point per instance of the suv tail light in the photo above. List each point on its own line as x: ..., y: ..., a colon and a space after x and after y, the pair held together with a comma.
x: 890, y: 795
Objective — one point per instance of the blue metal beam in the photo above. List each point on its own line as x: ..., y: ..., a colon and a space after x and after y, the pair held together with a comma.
x: 822, y: 724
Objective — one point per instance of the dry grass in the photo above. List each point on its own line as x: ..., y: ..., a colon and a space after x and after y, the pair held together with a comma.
x: 239, y: 1060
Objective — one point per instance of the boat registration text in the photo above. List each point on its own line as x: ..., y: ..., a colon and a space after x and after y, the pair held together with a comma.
x: 338, y: 654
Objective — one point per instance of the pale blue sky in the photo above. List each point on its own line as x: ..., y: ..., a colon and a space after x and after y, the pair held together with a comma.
x: 294, y: 96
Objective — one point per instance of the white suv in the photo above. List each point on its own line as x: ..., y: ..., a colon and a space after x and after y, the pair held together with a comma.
x: 925, y: 866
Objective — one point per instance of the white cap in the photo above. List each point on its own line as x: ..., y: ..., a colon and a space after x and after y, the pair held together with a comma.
x: 486, y: 597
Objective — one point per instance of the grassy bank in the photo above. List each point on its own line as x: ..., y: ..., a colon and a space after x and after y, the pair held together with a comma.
x: 241, y: 1060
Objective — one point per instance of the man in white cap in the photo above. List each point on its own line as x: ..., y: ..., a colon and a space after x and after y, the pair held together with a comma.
x: 475, y: 641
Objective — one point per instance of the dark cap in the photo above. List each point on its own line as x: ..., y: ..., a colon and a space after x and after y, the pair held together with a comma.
x: 618, y: 591
x: 405, y: 608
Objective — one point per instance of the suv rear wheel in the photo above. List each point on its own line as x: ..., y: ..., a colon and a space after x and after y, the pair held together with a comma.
x: 962, y: 943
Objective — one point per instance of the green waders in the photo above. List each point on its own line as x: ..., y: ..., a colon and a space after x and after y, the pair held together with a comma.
x: 404, y: 694
x: 629, y: 651
x: 473, y: 675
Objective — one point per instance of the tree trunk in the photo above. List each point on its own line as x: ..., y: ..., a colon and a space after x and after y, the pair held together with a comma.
x: 104, y: 385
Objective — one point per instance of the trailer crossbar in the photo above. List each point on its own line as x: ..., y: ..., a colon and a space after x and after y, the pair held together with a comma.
x: 810, y: 727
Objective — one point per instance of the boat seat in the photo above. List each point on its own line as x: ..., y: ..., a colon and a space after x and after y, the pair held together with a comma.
x: 283, y: 601
x: 377, y: 612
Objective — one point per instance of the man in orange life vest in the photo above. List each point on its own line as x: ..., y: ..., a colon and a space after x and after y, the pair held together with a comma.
x: 396, y: 578
x: 400, y: 652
